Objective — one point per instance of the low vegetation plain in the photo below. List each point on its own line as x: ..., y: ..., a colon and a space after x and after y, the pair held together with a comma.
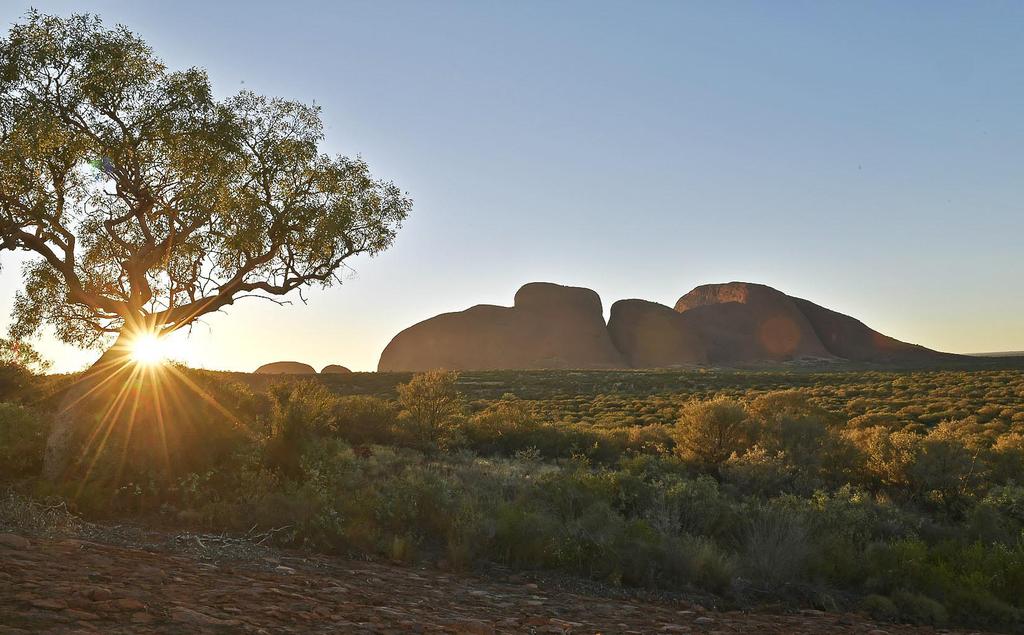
x: 896, y: 493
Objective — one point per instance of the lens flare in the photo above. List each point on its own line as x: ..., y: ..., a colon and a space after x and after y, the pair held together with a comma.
x: 149, y: 350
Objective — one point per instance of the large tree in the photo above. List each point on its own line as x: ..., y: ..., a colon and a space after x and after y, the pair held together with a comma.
x: 149, y: 202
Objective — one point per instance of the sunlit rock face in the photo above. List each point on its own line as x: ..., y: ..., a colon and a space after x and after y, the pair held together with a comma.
x: 744, y: 322
x: 335, y: 369
x: 550, y: 326
x: 652, y: 335
x: 851, y: 339
x: 286, y: 368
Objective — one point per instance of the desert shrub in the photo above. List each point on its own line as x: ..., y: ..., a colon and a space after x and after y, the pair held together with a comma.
x: 138, y: 440
x: 301, y: 411
x: 775, y: 547
x: 919, y: 609
x: 420, y: 499
x: 504, y: 427
x: 758, y: 472
x: 771, y: 407
x: 20, y: 365
x: 470, y: 534
x: 432, y: 410
x: 976, y: 583
x: 842, y: 524
x: 1008, y: 501
x: 886, y: 456
x: 884, y: 420
x: 708, y: 432
x: 16, y: 383
x: 707, y: 565
x: 576, y: 520
x: 1006, y: 459
x: 880, y: 607
x: 302, y: 408
x: 900, y: 564
x: 812, y: 454
x: 361, y: 419
x: 524, y: 537
x: 853, y: 514
x: 945, y: 468
x: 688, y: 506
x: 998, y: 517
x: 22, y: 441
x: 653, y: 438
x: 977, y: 607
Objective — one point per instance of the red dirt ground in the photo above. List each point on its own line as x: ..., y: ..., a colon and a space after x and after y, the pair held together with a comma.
x: 70, y: 585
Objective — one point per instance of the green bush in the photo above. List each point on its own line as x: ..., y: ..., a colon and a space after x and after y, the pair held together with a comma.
x: 20, y: 366
x: 709, y: 432
x: 504, y: 427
x: 300, y: 412
x: 432, y: 411
x: 362, y: 419
x: 775, y: 548
x: 22, y: 441
x: 919, y: 609
x: 880, y: 607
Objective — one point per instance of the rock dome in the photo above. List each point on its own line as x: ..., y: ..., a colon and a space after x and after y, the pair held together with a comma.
x: 550, y: 326
x: 286, y: 368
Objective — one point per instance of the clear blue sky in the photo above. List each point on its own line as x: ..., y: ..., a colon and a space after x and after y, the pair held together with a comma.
x: 868, y: 156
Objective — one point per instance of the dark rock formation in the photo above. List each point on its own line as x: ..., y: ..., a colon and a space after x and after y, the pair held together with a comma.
x: 851, y: 339
x: 743, y: 322
x: 553, y: 326
x: 550, y: 326
x: 286, y: 368
x: 335, y: 369
x: 652, y: 335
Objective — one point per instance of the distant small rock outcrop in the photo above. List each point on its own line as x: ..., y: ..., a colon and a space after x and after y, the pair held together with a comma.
x: 335, y: 369
x: 743, y: 322
x: 286, y: 368
x: 652, y: 335
x: 550, y: 326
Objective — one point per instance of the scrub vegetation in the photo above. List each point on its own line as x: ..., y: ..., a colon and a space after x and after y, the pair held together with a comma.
x: 900, y: 494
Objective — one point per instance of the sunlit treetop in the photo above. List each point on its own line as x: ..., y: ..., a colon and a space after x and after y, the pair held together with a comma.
x: 148, y: 201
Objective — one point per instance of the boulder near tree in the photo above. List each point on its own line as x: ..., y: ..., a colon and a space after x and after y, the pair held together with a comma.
x: 148, y: 202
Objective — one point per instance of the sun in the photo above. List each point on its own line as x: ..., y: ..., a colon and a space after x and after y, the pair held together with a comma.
x: 149, y: 350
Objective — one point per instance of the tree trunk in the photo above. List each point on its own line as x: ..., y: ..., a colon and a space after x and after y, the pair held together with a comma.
x: 59, y: 451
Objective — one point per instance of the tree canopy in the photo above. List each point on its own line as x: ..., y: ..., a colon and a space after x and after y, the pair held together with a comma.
x: 149, y: 201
